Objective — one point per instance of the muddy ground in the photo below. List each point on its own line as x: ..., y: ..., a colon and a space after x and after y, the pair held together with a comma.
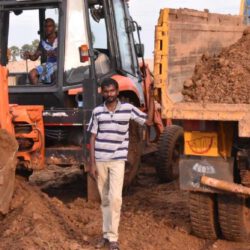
x: 154, y: 216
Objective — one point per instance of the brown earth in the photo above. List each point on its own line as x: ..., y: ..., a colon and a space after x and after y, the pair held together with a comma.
x: 222, y: 78
x: 8, y: 149
x: 154, y: 216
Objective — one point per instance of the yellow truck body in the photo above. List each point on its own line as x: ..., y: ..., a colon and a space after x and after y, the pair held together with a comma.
x: 181, y: 37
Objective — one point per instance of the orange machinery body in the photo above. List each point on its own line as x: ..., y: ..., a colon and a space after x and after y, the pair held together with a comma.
x: 25, y: 123
x: 127, y: 85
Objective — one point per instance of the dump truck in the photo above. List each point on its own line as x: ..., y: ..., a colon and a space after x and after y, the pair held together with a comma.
x: 208, y: 144
x: 49, y: 119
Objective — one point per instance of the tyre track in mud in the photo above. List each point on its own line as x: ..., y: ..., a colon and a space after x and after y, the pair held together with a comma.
x: 154, y: 216
x: 67, y: 226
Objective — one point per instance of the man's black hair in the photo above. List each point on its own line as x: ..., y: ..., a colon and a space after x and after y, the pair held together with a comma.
x: 50, y: 20
x: 109, y: 81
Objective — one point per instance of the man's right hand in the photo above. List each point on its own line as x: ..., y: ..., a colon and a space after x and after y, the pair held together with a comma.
x: 26, y: 55
x: 93, y: 171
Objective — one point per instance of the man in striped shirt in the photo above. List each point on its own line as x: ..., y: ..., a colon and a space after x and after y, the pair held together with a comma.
x: 109, y: 128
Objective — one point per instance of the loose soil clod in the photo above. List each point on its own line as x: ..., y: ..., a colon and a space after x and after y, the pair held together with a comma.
x: 8, y: 149
x: 223, y: 78
x: 154, y: 217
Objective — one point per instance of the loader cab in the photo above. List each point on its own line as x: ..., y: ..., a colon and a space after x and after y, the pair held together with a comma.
x: 103, y: 27
x: 22, y: 29
x: 95, y: 40
x: 24, y: 36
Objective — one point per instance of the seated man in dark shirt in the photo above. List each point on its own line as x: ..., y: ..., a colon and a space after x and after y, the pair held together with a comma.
x: 47, y: 48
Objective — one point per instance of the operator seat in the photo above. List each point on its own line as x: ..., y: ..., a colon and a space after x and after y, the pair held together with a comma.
x: 102, y: 64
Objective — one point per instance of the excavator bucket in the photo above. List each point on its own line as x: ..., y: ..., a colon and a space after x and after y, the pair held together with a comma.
x: 8, y: 146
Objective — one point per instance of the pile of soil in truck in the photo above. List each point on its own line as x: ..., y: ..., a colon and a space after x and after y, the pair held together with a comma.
x: 223, y: 78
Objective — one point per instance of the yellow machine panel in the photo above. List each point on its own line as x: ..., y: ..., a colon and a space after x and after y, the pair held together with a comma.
x: 201, y: 143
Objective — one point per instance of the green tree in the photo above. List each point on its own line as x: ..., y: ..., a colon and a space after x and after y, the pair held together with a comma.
x: 35, y: 44
x: 15, y: 51
x: 24, y: 48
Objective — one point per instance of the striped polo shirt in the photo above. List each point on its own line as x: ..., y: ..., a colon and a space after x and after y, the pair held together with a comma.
x: 112, y: 130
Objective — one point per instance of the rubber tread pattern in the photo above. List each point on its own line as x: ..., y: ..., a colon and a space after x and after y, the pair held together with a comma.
x: 232, y: 218
x: 166, y: 145
x: 134, y: 153
x: 203, y: 215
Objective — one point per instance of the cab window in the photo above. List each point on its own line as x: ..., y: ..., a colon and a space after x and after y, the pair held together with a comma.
x: 22, y: 45
x: 124, y: 42
x: 100, y: 40
x: 76, y: 35
x: 98, y: 32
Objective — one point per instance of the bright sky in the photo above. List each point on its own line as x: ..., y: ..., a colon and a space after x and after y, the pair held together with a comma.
x: 146, y: 14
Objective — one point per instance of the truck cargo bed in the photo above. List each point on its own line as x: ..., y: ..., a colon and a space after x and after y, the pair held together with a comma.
x: 182, y: 36
x: 215, y: 112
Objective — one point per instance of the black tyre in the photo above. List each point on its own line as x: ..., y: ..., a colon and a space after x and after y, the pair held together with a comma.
x: 203, y: 215
x: 134, y: 153
x: 170, y: 147
x: 234, y: 217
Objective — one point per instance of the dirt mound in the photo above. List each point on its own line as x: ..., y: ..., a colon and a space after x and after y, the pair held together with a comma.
x: 222, y: 78
x: 153, y: 217
x: 37, y: 221
x: 8, y: 149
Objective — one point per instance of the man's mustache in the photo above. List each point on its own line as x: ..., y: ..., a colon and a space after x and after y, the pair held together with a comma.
x: 111, y: 98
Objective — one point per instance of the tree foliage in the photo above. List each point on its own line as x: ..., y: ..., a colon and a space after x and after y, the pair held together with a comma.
x: 35, y: 44
x: 31, y: 47
x: 26, y: 47
x: 15, y: 52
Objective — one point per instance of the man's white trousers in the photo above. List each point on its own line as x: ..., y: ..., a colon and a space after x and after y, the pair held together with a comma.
x: 110, y: 183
